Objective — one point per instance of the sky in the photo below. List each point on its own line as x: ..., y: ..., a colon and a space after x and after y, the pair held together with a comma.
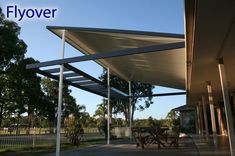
x: 146, y: 15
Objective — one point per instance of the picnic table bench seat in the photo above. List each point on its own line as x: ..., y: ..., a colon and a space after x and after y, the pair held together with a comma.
x: 155, y: 135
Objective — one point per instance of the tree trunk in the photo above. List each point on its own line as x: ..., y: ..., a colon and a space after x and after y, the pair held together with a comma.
x: 1, y: 112
x: 29, y: 122
x: 51, y: 125
x: 126, y: 117
x: 17, y: 127
x: 132, y: 115
x: 40, y: 125
x: 126, y: 114
x: 110, y: 114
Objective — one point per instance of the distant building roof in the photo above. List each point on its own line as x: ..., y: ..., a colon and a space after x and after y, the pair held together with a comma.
x: 184, y: 108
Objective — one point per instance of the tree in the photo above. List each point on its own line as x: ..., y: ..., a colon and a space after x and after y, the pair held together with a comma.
x: 137, y: 88
x: 173, y: 118
x: 73, y: 130
x: 25, y: 88
x: 69, y: 106
x: 50, y: 100
x: 12, y: 50
x: 101, y: 110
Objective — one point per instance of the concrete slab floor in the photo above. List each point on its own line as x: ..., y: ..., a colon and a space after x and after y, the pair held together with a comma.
x: 193, y: 146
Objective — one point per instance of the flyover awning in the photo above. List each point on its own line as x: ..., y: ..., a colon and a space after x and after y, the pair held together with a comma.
x: 164, y: 67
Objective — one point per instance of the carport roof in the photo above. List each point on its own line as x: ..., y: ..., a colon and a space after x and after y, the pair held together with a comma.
x: 160, y: 59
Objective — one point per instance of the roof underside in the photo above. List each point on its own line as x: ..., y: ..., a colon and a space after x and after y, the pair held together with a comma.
x: 164, y: 68
x: 212, y: 36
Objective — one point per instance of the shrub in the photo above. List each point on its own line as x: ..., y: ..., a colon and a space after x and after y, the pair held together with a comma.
x: 73, y: 131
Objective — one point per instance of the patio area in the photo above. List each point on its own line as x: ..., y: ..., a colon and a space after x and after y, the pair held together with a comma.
x: 190, y: 146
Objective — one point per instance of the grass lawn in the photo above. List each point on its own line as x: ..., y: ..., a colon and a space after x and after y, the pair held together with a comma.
x: 46, y: 148
x: 28, y: 150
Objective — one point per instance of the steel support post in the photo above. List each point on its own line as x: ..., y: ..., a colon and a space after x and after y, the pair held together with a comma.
x: 130, y: 105
x: 198, y: 120
x: 205, y: 119
x: 201, y: 117
x: 220, y: 122
x: 212, y: 111
x: 227, y: 106
x: 60, y: 97
x: 108, y: 111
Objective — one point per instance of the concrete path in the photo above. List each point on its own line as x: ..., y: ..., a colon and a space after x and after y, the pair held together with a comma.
x: 188, y: 147
x: 127, y: 150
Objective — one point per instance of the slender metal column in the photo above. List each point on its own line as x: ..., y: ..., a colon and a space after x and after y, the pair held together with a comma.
x: 130, y: 108
x: 130, y: 105
x: 205, y: 119
x: 212, y: 110
x: 108, y: 96
x: 201, y: 117
x: 220, y: 121
x: 227, y: 106
x: 198, y: 120
x: 233, y: 97
x: 60, y: 97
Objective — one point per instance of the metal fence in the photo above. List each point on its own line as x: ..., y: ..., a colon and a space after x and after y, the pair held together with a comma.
x: 33, y: 137
x: 24, y: 137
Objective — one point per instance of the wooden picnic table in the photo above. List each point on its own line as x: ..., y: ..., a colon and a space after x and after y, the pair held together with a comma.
x: 145, y: 136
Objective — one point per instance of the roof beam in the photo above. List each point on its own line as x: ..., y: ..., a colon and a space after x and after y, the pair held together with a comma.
x: 68, y: 75
x: 85, y: 83
x: 55, y: 70
x: 92, y: 84
x: 97, y: 86
x: 119, y: 53
x: 78, y: 79
x: 162, y: 94
x: 81, y: 73
x: 118, y: 91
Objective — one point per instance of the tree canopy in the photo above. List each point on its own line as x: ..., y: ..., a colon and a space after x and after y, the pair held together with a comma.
x: 22, y: 91
x: 12, y: 50
x: 137, y: 88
